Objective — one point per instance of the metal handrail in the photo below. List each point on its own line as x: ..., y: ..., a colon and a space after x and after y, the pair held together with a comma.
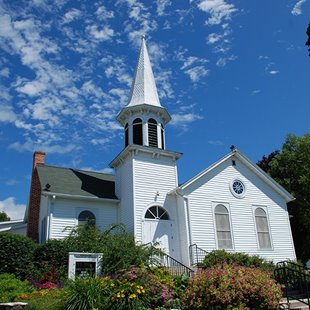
x: 296, y: 281
x: 197, y: 254
x: 161, y: 259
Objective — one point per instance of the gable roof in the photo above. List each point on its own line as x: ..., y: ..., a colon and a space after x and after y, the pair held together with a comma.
x: 248, y: 163
x: 76, y: 182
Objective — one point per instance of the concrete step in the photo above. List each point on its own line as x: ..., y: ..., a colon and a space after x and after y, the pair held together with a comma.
x: 294, y: 304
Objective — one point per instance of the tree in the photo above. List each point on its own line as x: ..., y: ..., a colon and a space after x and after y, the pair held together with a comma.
x: 4, y: 217
x: 291, y: 168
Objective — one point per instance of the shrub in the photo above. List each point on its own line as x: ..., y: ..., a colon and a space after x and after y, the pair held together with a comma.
x: 53, y: 299
x: 10, y: 287
x: 231, y: 286
x: 222, y: 257
x: 16, y: 254
x: 52, y: 255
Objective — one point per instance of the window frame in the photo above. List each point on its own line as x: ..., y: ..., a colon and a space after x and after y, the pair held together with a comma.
x: 152, y: 128
x: 137, y: 124
x: 265, y: 209
x: 79, y: 222
x: 156, y: 218
x: 225, y: 205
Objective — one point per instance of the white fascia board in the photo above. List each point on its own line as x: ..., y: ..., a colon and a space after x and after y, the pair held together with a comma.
x: 78, y: 197
x: 266, y: 177
x: 203, y: 172
x: 156, y: 152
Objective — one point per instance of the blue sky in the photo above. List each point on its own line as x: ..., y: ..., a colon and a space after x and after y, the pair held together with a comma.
x: 229, y: 72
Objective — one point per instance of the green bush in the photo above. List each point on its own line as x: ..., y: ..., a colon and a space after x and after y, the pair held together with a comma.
x: 10, y: 287
x: 119, y: 248
x: 222, y: 257
x: 52, y: 255
x: 53, y: 299
x: 227, y: 286
x: 16, y: 254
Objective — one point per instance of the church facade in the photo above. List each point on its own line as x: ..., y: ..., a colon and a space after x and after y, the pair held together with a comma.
x: 232, y: 204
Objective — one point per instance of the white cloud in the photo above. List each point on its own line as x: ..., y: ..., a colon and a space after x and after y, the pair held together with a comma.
x: 184, y: 119
x: 104, y: 34
x: 222, y: 61
x: 102, y: 141
x: 12, y: 209
x: 273, y: 72
x: 31, y: 146
x: 5, y: 72
x: 297, y: 7
x: 161, y: 6
x: 218, y: 9
x: 71, y: 15
x: 215, y: 142
x: 7, y: 114
x: 196, y: 73
x: 256, y: 91
x: 103, y: 14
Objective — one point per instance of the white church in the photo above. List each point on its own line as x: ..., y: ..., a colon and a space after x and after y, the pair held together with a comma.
x: 231, y: 205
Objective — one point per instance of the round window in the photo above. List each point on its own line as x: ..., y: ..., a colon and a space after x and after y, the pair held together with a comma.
x: 237, y: 188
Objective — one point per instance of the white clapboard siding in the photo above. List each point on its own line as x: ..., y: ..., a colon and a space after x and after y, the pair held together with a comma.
x: 152, y: 176
x: 124, y: 185
x: 65, y: 215
x: 214, y: 188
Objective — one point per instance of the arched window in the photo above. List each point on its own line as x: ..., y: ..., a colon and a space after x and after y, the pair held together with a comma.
x: 156, y: 213
x: 262, y: 229
x: 162, y: 137
x: 223, y: 227
x: 86, y: 217
x: 152, y: 129
x: 137, y: 131
x: 126, y: 135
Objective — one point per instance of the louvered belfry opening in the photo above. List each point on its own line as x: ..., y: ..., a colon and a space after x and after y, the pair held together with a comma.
x: 137, y: 131
x: 152, y: 130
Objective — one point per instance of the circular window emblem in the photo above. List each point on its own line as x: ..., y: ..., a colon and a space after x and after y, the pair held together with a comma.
x: 237, y: 188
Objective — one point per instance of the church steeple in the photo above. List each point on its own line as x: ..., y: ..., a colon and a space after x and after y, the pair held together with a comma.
x: 143, y: 89
x: 144, y: 118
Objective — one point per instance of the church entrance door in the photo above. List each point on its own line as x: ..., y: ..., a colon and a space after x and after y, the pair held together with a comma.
x: 157, y: 228
x: 159, y: 233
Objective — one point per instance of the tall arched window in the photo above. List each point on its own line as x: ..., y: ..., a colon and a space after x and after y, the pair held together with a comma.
x: 137, y: 131
x: 152, y: 129
x: 86, y: 217
x: 223, y: 230
x: 126, y: 135
x: 162, y: 137
x: 262, y: 229
x: 156, y: 213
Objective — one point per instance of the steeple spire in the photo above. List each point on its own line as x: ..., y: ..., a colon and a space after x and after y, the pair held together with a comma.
x: 143, y: 89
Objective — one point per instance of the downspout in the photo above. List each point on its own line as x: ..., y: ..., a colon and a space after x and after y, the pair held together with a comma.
x: 179, y: 193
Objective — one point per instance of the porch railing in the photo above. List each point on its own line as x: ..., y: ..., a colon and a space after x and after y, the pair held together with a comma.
x: 160, y: 259
x: 196, y: 254
x: 296, y: 281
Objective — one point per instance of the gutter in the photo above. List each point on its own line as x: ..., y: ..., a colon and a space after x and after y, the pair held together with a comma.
x: 78, y: 197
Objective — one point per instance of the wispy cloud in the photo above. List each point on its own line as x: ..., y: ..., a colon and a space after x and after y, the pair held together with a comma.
x: 219, y: 10
x: 161, y: 6
x: 71, y: 15
x: 14, y: 210
x: 297, y: 7
x: 183, y: 120
x: 102, y: 34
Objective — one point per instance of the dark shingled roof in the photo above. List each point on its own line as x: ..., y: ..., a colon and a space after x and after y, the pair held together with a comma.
x: 76, y: 182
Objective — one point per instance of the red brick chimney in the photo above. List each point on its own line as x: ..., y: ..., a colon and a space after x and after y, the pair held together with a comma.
x: 35, y: 198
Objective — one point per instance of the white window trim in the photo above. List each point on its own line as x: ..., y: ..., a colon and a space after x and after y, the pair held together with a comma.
x: 152, y: 205
x: 242, y: 195
x: 254, y: 207
x: 226, y: 205
x: 78, y: 210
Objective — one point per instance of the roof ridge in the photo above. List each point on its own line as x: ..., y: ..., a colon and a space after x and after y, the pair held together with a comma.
x: 76, y: 169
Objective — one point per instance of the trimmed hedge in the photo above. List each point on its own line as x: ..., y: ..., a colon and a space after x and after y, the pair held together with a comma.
x: 222, y: 257
x: 16, y: 254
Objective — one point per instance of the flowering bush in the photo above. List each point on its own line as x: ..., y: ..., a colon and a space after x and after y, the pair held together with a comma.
x: 158, y: 283
x: 48, y: 280
x: 231, y: 286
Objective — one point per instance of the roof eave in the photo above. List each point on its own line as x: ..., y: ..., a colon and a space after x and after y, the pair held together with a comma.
x: 143, y: 108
